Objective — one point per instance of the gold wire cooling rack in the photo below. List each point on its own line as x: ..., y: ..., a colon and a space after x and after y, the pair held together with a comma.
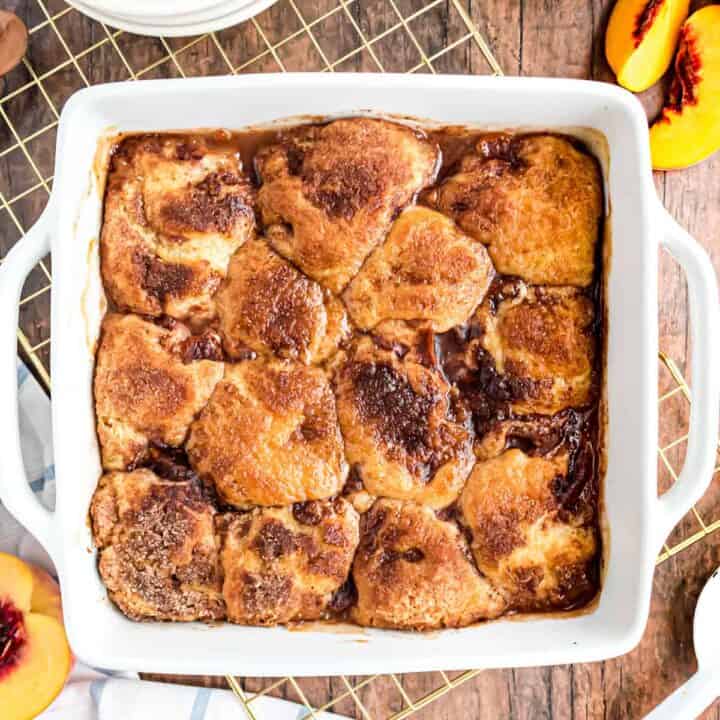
x: 68, y: 51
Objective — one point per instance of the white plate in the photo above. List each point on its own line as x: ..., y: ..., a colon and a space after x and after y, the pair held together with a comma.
x: 231, y: 14
x: 217, y: 10
x: 153, y: 8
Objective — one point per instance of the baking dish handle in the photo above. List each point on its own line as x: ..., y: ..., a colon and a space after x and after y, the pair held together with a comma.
x: 15, y: 491
x: 697, y: 472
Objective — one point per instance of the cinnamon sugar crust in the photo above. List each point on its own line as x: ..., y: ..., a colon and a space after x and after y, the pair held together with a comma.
x: 157, y: 551
x: 351, y: 371
x: 176, y: 208
x: 286, y: 564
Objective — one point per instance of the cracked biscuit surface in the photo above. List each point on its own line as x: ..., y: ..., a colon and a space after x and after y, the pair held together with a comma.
x: 329, y: 192
x: 269, y: 435
x: 531, y: 522
x: 351, y: 371
x: 542, y: 341
x: 176, y: 209
x: 534, y: 200
x: 414, y: 570
x: 148, y: 387
x: 287, y: 564
x: 426, y: 270
x: 157, y: 551
x: 267, y: 306
x: 406, y: 432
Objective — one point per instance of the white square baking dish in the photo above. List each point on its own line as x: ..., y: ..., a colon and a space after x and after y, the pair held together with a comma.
x: 636, y: 520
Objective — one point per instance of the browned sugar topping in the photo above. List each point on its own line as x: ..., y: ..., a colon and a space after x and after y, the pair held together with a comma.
x: 313, y: 512
x: 387, y: 399
x: 412, y: 394
x: 162, y: 523
x: 150, y: 537
x: 281, y: 299
x: 264, y: 591
x: 140, y: 380
x: 160, y: 279
x: 207, y: 208
x: 274, y: 540
x: 342, y: 190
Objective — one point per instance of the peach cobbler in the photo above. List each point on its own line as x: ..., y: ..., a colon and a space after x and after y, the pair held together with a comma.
x: 350, y: 371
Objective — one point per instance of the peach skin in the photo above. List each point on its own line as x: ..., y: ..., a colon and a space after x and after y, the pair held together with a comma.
x: 640, y: 40
x: 35, y: 658
x: 688, y: 129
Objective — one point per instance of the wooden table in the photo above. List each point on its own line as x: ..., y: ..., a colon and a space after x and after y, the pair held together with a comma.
x: 532, y: 37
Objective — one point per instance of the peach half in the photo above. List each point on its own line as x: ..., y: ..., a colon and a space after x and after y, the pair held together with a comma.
x: 641, y: 38
x: 35, y: 658
x: 688, y: 129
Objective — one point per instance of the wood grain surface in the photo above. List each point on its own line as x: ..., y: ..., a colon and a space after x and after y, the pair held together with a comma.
x: 532, y: 37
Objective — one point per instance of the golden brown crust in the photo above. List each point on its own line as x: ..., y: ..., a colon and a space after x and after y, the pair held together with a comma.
x: 403, y: 428
x: 287, y: 564
x: 531, y: 536
x: 329, y: 191
x: 426, y: 270
x: 534, y: 200
x: 146, y: 389
x: 175, y: 210
x: 425, y: 459
x: 269, y: 435
x: 158, y: 556
x: 267, y: 306
x: 414, y: 571
x: 544, y: 339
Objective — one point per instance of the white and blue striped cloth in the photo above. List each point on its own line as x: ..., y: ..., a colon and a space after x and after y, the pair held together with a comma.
x: 95, y: 694
x: 36, y: 439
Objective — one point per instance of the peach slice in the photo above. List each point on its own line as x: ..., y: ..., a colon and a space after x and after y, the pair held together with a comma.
x: 640, y: 40
x: 45, y: 598
x: 35, y: 658
x: 16, y: 582
x: 688, y: 129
